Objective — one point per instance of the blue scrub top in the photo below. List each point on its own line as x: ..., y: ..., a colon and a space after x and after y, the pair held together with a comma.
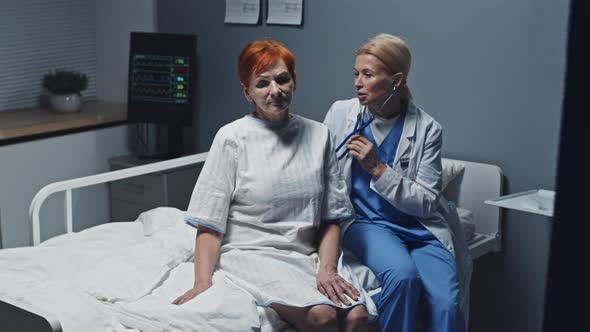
x: 369, y: 205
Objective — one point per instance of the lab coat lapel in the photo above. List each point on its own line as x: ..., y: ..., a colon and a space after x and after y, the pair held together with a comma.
x: 346, y: 162
x: 351, y: 119
x: 404, y: 148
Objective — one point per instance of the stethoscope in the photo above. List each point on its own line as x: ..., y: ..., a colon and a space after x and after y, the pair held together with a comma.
x: 360, y: 123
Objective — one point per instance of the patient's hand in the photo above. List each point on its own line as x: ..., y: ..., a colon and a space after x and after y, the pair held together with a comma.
x: 191, y: 293
x: 332, y: 285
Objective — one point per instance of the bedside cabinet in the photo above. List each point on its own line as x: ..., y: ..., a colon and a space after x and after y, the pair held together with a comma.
x: 132, y: 196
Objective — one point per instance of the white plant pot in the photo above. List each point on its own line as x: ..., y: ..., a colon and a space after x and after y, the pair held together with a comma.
x: 67, y: 103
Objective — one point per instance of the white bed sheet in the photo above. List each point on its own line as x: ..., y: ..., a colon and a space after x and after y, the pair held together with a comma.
x: 110, y: 262
x: 124, y: 275
x: 42, y: 277
x: 223, y: 307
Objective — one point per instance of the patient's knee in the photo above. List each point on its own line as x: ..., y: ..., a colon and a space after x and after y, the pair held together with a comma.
x: 322, y: 317
x: 356, y: 318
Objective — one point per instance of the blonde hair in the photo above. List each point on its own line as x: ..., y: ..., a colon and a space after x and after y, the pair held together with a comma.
x: 395, y: 55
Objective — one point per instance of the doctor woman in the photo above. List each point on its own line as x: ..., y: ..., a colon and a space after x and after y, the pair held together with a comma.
x: 390, y: 154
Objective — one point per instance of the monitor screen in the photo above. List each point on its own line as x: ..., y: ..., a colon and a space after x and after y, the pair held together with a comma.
x: 161, y: 78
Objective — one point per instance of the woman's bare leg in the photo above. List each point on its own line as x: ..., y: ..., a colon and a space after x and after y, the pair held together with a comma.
x: 320, y: 317
x: 355, y: 319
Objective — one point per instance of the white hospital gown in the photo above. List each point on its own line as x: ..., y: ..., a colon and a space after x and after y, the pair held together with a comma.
x: 268, y: 186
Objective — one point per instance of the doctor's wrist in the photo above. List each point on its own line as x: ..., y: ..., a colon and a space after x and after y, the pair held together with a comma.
x: 378, y: 170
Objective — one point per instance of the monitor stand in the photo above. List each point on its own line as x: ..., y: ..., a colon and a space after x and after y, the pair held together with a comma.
x: 175, y: 145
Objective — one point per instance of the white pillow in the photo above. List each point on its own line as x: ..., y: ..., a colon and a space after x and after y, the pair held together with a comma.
x: 450, y: 170
x: 467, y: 219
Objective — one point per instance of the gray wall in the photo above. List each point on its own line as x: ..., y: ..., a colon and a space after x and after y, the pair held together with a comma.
x: 115, y: 19
x: 491, y: 72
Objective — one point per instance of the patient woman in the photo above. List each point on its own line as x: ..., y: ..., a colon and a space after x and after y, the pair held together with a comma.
x: 391, y: 158
x: 269, y: 202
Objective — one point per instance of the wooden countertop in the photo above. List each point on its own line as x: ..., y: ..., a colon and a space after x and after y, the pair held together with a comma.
x: 37, y: 123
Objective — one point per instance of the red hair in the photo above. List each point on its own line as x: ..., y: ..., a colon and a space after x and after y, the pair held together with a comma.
x: 262, y: 54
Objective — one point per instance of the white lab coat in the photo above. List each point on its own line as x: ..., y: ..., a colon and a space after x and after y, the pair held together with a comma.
x: 415, y: 188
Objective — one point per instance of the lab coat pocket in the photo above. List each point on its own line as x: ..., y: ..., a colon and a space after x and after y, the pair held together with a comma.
x: 402, y: 167
x: 404, y: 163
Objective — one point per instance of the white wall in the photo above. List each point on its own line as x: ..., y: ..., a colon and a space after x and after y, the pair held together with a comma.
x: 27, y: 167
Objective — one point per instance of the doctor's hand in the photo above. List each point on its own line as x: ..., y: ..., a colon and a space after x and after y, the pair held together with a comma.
x: 363, y: 150
x: 191, y: 293
x: 333, y: 286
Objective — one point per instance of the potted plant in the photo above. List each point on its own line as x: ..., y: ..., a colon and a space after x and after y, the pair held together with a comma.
x: 64, y: 87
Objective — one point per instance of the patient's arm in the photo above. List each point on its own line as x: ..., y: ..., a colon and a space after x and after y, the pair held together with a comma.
x: 329, y: 282
x: 207, y: 246
x: 206, y: 255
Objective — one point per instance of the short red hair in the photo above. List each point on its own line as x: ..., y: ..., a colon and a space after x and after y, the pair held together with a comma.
x: 260, y: 55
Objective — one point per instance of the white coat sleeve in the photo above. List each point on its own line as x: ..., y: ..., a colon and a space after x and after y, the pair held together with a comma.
x: 330, y: 122
x: 212, y: 195
x: 329, y: 119
x: 419, y: 196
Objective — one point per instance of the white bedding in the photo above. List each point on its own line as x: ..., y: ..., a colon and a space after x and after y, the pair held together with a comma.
x: 44, y: 277
x: 134, y: 270
x: 223, y: 307
x: 110, y: 262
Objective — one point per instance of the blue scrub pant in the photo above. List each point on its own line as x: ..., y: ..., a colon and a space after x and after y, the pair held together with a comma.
x: 412, y: 266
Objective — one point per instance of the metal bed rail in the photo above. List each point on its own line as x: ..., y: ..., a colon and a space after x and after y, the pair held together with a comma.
x: 69, y: 185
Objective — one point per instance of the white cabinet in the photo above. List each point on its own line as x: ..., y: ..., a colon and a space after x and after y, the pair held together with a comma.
x: 131, y: 196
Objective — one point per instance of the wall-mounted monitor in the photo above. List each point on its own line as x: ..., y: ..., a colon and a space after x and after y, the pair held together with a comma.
x: 161, y: 84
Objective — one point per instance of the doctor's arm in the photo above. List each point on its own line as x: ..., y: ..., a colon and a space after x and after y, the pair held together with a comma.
x: 417, y: 196
x: 329, y: 282
x: 207, y: 246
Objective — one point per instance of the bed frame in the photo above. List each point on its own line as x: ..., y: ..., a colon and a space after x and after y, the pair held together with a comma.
x: 469, y: 190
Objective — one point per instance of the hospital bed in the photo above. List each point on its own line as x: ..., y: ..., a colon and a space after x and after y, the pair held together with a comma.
x: 75, y: 280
